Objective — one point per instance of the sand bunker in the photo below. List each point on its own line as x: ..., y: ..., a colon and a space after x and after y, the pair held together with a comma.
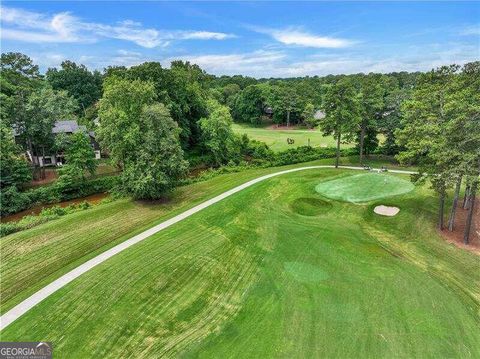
x: 386, y: 211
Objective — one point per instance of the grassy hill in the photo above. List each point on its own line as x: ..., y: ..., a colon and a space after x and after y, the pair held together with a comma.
x: 295, y: 275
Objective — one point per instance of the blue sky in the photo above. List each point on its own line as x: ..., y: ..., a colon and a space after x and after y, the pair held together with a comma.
x: 261, y: 39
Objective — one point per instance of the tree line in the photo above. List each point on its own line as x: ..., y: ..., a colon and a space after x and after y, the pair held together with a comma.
x: 153, y: 120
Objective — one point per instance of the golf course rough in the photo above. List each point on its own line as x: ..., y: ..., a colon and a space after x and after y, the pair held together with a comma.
x: 247, y: 277
x: 364, y: 187
x: 307, y: 206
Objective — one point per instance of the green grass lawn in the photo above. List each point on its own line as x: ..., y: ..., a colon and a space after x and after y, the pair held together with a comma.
x: 295, y: 275
x: 31, y: 259
x: 364, y: 187
x: 277, y: 139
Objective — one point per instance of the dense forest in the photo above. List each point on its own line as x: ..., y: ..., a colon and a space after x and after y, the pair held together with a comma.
x: 155, y: 122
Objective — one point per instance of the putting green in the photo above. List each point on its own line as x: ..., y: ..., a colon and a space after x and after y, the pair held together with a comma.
x: 364, y: 187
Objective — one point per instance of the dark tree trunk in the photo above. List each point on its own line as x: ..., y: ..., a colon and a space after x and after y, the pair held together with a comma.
x: 337, y: 159
x: 471, y: 210
x: 441, y: 210
x: 36, y: 166
x: 451, y: 220
x: 43, y: 163
x: 465, y: 197
x: 362, y: 141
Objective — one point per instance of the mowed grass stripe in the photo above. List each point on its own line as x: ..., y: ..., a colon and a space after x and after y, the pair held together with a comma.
x: 31, y: 259
x: 215, y: 285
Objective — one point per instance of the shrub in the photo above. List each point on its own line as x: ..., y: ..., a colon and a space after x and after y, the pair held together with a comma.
x: 258, y: 150
x: 13, y: 201
x: 306, y: 154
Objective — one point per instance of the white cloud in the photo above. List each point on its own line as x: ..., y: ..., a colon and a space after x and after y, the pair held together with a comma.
x: 298, y: 37
x: 253, y: 63
x: 471, y: 30
x: 126, y: 58
x: 271, y: 63
x: 48, y: 59
x: 204, y: 35
x: 26, y: 26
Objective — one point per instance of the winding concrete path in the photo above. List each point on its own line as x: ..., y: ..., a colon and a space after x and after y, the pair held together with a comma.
x: 20, y: 309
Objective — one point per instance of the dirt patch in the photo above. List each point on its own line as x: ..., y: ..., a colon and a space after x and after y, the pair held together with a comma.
x: 51, y: 175
x: 456, y: 236
x: 386, y: 210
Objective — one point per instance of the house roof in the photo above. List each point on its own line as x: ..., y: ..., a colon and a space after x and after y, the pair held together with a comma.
x: 64, y: 126
x: 319, y: 115
x: 68, y: 126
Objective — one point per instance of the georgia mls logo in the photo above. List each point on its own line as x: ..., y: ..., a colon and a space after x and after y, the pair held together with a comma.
x: 25, y: 350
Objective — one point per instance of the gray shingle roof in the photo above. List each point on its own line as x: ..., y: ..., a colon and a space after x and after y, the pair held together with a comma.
x: 319, y: 115
x: 68, y: 126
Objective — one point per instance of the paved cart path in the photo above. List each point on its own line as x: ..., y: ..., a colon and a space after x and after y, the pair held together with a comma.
x: 20, y: 309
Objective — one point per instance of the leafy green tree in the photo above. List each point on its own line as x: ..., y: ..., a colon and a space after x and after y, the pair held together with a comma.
x: 216, y: 94
x: 462, y: 137
x: 120, y: 109
x: 371, y: 103
x: 14, y: 172
x: 308, y: 115
x: 217, y: 134
x: 141, y: 137
x: 79, y: 155
x: 80, y: 160
x: 229, y: 93
x: 287, y: 104
x: 239, y: 80
x: 391, y: 118
x: 43, y: 107
x: 342, y: 113
x: 182, y: 88
x: 248, y: 106
x: 423, y: 134
x: 158, y: 163
x: 18, y: 78
x: 83, y: 85
x: 14, y: 168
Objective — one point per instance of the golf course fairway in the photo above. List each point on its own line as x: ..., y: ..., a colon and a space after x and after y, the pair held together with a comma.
x: 277, y: 270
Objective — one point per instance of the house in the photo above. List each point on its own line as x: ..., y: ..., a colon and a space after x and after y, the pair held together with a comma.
x: 67, y: 127
x: 268, y: 111
x: 319, y: 115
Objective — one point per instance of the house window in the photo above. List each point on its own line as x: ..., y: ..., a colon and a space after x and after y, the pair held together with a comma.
x: 47, y: 160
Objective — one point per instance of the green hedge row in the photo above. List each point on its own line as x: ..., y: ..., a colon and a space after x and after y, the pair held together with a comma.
x: 271, y: 159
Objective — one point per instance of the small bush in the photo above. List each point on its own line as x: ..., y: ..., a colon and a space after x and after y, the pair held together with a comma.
x: 7, y: 228
x: 53, y: 211
x: 13, y: 201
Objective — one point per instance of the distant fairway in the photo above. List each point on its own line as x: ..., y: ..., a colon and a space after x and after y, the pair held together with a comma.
x: 364, y: 187
x: 277, y: 139
x: 273, y: 271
